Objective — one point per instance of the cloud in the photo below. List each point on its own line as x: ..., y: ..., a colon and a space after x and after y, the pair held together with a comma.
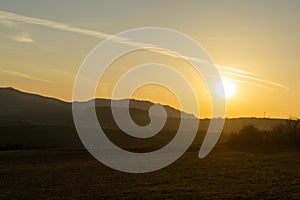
x: 235, y: 70
x: 7, y: 23
x: 22, y: 75
x: 249, y: 83
x: 11, y: 18
x: 235, y: 38
x: 245, y: 75
x: 258, y: 80
x: 7, y: 16
x: 23, y: 38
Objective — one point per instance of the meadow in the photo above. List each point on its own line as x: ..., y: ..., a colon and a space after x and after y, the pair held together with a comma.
x: 227, y: 173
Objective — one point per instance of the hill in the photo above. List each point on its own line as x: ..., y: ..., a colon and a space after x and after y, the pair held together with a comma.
x: 30, y: 120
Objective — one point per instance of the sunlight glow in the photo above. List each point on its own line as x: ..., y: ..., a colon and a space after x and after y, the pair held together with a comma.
x: 229, y: 88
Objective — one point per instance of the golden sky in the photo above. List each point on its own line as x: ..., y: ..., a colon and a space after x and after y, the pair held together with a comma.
x: 255, y: 44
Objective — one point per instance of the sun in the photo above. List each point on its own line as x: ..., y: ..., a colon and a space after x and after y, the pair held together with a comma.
x: 229, y: 88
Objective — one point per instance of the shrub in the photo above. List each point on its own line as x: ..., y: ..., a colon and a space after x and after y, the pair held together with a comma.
x: 287, y: 133
x: 248, y: 135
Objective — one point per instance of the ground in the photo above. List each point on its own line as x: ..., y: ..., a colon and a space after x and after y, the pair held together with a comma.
x: 225, y: 173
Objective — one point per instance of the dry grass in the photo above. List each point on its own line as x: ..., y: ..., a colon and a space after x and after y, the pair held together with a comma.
x: 225, y: 173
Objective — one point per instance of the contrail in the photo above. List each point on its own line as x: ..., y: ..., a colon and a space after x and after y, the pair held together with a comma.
x: 22, y: 75
x: 52, y: 24
x: 233, y: 69
x: 8, y: 16
x: 257, y: 79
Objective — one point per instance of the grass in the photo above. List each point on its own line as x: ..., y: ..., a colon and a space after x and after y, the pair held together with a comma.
x: 225, y: 173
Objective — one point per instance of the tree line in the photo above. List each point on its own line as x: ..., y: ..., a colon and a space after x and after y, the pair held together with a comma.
x: 287, y: 133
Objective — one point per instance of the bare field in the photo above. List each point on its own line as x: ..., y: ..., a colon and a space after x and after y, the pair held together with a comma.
x: 226, y: 173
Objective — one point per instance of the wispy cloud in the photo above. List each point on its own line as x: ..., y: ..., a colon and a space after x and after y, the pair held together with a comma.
x: 236, y: 38
x: 22, y: 75
x: 234, y: 70
x: 8, y: 16
x: 249, y: 83
x: 252, y: 78
x: 257, y: 80
x: 7, y: 23
x: 23, y: 38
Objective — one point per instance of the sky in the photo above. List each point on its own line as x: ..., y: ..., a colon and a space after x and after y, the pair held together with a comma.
x: 254, y: 43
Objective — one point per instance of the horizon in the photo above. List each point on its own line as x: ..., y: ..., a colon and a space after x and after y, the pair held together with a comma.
x: 204, y: 118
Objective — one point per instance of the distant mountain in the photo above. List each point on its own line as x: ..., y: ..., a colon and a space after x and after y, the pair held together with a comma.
x: 20, y: 107
x: 34, y: 120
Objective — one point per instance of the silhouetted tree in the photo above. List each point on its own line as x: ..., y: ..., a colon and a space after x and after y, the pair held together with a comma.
x: 287, y: 133
x: 248, y: 135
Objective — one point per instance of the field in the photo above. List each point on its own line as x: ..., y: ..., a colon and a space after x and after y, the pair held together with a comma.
x: 225, y: 173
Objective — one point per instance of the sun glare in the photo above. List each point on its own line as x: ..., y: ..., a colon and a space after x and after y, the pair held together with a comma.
x: 229, y: 88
